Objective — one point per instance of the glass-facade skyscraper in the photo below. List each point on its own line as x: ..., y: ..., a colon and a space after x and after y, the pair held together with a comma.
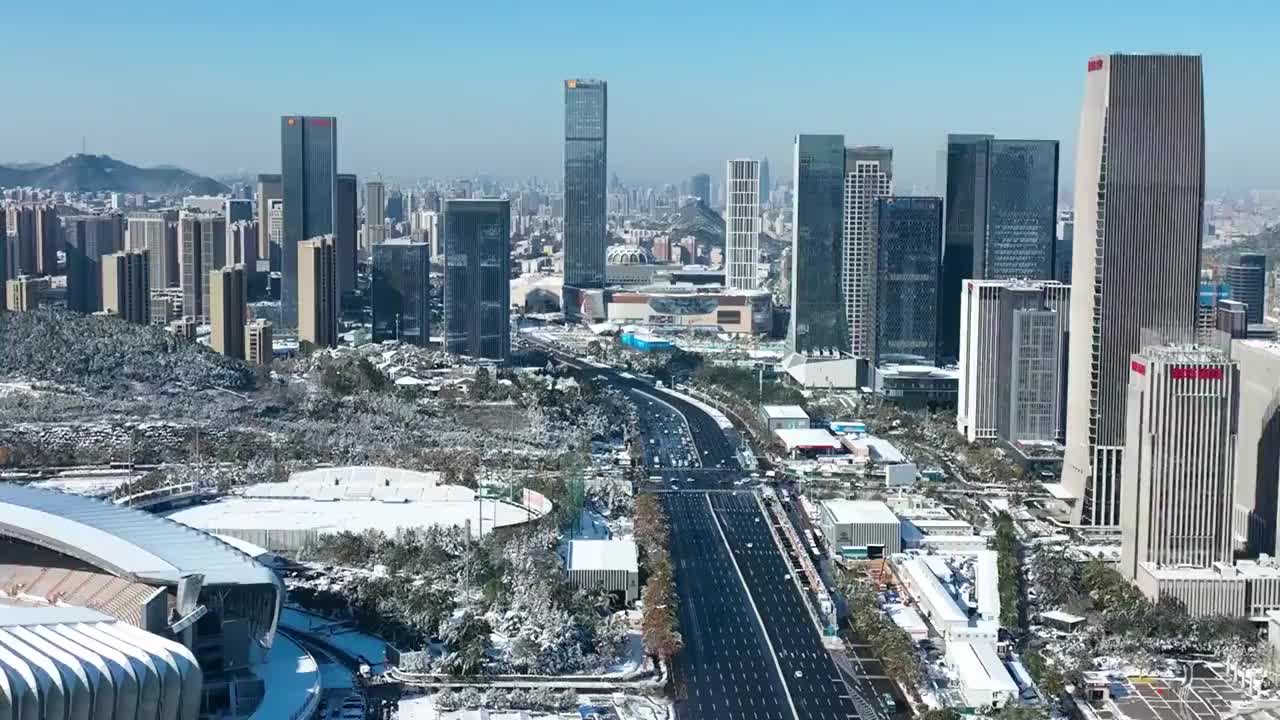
x: 908, y: 240
x: 309, y: 186
x: 400, y: 293
x: 1248, y: 281
x: 700, y: 187
x: 477, y: 288
x: 1022, y: 209
x: 586, y: 133
x: 346, y: 217
x: 966, y: 222
x: 818, y: 324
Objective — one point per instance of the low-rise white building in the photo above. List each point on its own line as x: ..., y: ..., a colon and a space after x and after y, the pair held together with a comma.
x: 609, y: 565
x: 984, y: 680
x: 784, y: 417
x: 860, y: 528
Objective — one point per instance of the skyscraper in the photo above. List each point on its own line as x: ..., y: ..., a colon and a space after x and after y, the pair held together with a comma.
x: 765, y: 183
x: 742, y: 224
x: 1257, y: 471
x: 586, y: 138
x: 375, y: 200
x: 318, y: 291
x: 700, y: 188
x: 908, y: 241
x: 88, y: 238
x: 1139, y: 268
x: 1248, y: 281
x: 477, y: 292
x: 818, y: 324
x: 868, y: 176
x: 1012, y: 360
x: 227, y: 300
x: 126, y: 286
x: 966, y: 222
x: 401, y: 292
x: 257, y: 342
x: 1022, y: 209
x: 1176, y: 503
x: 23, y: 294
x: 309, y: 187
x: 238, y: 209
x: 157, y: 233
x: 344, y: 233
x: 202, y: 242
x: 20, y: 223
x: 269, y: 189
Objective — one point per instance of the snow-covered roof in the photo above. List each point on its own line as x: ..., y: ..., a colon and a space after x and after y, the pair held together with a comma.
x: 603, y: 555
x: 934, y: 595
x: 1069, y: 619
x: 906, y: 617
x: 808, y: 439
x: 784, y: 412
x: 881, y: 450
x: 979, y: 667
x: 988, y: 584
x: 860, y: 512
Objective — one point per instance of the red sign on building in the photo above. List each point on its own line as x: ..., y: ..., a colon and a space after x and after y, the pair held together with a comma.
x: 320, y: 122
x: 1191, y: 372
x: 1095, y: 64
x: 1137, y: 367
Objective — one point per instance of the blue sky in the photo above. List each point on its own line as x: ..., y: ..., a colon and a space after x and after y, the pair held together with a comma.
x: 435, y: 88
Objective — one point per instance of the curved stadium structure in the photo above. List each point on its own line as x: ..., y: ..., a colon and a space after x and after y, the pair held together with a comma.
x: 196, y: 597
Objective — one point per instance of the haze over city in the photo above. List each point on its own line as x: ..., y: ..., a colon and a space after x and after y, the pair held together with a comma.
x: 451, y: 89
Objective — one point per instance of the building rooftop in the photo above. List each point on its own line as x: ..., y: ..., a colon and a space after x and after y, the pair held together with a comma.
x: 132, y: 544
x: 936, y: 596
x: 979, y: 667
x: 1062, y: 617
x: 784, y: 412
x: 987, y: 579
x: 860, y: 512
x: 881, y: 450
x: 602, y: 555
x: 808, y: 439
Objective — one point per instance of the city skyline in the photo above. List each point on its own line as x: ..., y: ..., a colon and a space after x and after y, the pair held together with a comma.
x: 661, y: 131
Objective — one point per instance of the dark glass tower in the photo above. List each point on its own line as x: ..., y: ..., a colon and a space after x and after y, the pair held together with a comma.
x: 765, y: 181
x: 88, y: 238
x: 345, y: 236
x: 908, y: 243
x: 309, y: 180
x: 477, y: 289
x: 1248, y: 281
x: 586, y: 126
x: 966, y: 223
x: 400, y: 292
x: 700, y: 187
x: 1022, y: 209
x: 818, y: 325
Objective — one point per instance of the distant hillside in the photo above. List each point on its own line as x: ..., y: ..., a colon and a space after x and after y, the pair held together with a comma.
x: 92, y: 173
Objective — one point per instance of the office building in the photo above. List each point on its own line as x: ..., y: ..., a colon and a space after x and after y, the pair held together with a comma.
x: 477, y: 290
x: 269, y: 190
x: 700, y: 189
x: 157, y: 233
x: 1066, y: 240
x: 24, y: 293
x: 87, y: 238
x: 908, y: 242
x: 5, y: 261
x: 1176, y: 502
x: 202, y: 243
x: 375, y: 201
x: 348, y: 222
x: 237, y: 210
x: 1137, y: 270
x: 1013, y: 337
x: 586, y: 140
x: 868, y: 176
x: 966, y: 164
x: 34, y: 238
x: 401, y: 292
x: 309, y: 188
x: 275, y: 235
x: 742, y: 224
x: 126, y: 285
x: 1257, y: 470
x: 242, y: 244
x: 1247, y: 278
x: 765, y: 183
x: 318, y: 291
x: 166, y: 306
x: 818, y: 325
x: 227, y: 300
x: 257, y: 342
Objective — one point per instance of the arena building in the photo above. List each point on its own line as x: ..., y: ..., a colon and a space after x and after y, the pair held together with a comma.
x: 742, y: 312
x: 290, y: 517
x: 196, y: 597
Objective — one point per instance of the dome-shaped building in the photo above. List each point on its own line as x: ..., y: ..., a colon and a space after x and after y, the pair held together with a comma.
x: 628, y: 255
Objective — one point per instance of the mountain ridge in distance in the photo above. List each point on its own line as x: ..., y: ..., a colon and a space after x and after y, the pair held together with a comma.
x: 102, y: 173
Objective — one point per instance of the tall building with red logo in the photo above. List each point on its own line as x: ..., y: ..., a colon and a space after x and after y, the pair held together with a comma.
x: 1139, y: 209
x: 1179, y: 459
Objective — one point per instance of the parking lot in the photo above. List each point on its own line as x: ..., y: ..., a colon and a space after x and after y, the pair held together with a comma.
x: 1207, y: 697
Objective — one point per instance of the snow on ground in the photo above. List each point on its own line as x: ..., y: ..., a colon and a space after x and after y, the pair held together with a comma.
x: 93, y: 485
x: 339, y: 634
x: 232, y: 513
x: 291, y: 680
x: 632, y: 660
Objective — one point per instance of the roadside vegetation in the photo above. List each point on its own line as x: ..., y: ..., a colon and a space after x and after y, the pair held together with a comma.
x: 660, y: 622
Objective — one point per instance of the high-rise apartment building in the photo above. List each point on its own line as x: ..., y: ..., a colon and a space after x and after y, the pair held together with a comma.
x: 126, y: 285
x: 700, y: 188
x: 309, y: 188
x: 157, y: 233
x: 242, y: 249
x: 257, y: 342
x: 318, y: 291
x: 1012, y: 360
x: 1133, y: 269
x: 401, y: 291
x: 34, y: 238
x: 202, y: 245
x: 742, y: 224
x: 227, y: 301
x: 88, y: 238
x: 1247, y: 278
x: 477, y: 291
x: 908, y: 242
x: 586, y: 141
x: 348, y: 223
x: 1180, y: 436
x: 868, y: 176
x: 818, y: 324
x: 269, y: 190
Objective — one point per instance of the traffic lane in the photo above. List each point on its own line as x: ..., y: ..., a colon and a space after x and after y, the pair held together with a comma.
x: 816, y: 685
x: 724, y: 670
